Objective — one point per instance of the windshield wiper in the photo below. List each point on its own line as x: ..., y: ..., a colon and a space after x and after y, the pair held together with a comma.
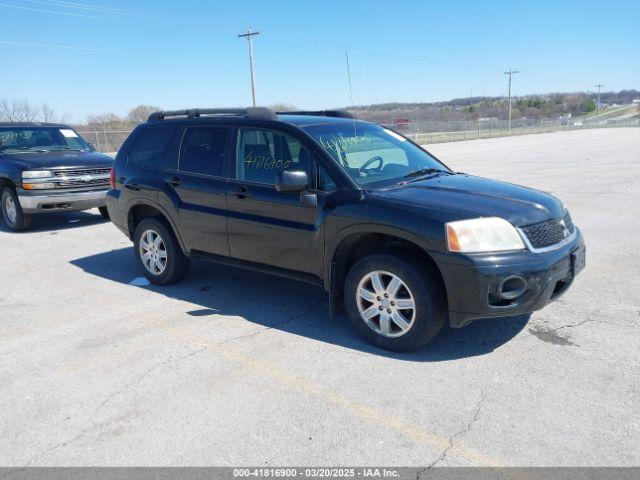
x: 66, y: 148
x: 424, y: 171
x: 9, y: 147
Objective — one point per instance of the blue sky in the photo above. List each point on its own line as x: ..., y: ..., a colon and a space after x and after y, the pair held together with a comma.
x: 99, y: 56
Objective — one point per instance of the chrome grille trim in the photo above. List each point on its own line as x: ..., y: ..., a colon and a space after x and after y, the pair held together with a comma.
x: 76, y: 178
x: 81, y: 172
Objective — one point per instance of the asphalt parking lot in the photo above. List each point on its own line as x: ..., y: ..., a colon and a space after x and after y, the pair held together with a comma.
x: 238, y: 368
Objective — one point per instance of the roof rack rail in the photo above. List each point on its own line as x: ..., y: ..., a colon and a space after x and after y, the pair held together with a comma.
x: 252, y: 112
x: 321, y: 113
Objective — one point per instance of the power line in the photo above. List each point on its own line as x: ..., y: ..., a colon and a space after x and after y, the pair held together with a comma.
x: 511, y: 72
x: 48, y: 45
x: 249, y: 35
x: 73, y: 14
x: 599, y: 86
x: 92, y: 7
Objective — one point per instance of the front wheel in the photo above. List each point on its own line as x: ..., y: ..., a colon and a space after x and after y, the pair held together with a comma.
x: 104, y: 212
x: 157, y: 252
x: 12, y: 212
x: 395, y: 301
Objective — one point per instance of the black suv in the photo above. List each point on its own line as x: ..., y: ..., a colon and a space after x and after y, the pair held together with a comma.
x: 398, y: 239
x: 47, y: 167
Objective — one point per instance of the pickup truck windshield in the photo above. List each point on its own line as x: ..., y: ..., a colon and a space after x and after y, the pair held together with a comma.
x: 373, y: 155
x: 39, y: 139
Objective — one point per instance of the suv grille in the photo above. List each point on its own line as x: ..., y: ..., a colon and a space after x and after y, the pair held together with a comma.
x: 546, y: 234
x: 75, y: 173
x: 86, y: 177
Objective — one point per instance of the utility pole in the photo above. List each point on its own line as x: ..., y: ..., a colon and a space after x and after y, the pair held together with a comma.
x: 248, y: 36
x: 599, y: 86
x: 510, y: 73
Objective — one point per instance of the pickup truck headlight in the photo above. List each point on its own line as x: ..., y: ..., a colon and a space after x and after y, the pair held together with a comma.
x: 491, y: 234
x: 30, y: 174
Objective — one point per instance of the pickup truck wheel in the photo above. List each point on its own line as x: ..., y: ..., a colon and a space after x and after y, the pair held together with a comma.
x: 12, y: 212
x: 394, y: 301
x: 158, y: 253
x: 104, y: 212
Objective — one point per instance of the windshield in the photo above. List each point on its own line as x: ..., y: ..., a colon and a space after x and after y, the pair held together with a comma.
x: 39, y: 139
x: 373, y: 155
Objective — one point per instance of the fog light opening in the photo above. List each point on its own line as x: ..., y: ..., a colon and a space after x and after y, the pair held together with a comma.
x: 512, y: 287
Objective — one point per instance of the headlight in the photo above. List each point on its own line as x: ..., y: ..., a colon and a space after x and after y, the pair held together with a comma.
x: 37, y: 174
x: 491, y: 234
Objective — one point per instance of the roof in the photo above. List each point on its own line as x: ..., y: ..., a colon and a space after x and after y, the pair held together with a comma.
x: 32, y: 124
x: 298, y: 118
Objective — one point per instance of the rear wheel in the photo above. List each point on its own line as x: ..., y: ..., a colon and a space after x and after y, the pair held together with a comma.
x: 157, y: 252
x: 12, y: 212
x: 395, y: 301
x: 104, y: 212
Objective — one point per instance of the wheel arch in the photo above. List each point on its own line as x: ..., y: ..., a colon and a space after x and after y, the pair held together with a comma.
x: 141, y: 210
x: 6, y: 182
x: 358, y: 244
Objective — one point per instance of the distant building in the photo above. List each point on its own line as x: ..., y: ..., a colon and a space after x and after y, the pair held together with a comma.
x: 401, y: 123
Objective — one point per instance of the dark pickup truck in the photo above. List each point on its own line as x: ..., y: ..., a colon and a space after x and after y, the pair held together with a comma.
x: 396, y: 237
x: 48, y: 167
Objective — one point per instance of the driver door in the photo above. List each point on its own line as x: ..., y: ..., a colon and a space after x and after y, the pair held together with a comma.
x: 267, y: 226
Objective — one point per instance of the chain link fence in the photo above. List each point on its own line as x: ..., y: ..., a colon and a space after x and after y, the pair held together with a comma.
x: 109, y: 141
x: 460, y: 130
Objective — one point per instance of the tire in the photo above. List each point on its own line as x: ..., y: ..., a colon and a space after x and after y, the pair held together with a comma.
x: 419, y: 286
x: 175, y: 263
x: 12, y: 212
x: 104, y: 212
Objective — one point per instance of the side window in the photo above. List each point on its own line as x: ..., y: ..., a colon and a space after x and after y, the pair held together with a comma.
x: 262, y: 154
x: 151, y: 147
x: 203, y: 150
x: 325, y: 183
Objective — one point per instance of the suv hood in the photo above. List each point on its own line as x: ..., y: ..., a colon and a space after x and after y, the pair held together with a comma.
x: 64, y: 159
x: 464, y: 196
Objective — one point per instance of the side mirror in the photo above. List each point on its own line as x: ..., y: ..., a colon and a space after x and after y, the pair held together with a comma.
x: 92, y: 147
x: 292, y: 181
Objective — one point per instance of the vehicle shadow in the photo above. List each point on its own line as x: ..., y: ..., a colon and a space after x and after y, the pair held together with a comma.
x: 292, y: 307
x: 50, y: 221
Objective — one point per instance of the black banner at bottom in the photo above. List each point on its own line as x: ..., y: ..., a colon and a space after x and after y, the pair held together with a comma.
x: 392, y: 473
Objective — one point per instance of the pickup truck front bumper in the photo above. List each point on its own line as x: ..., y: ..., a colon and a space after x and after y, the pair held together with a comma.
x: 41, y: 201
x: 476, y: 283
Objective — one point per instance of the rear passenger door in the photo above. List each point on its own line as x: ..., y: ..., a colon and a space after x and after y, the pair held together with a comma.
x: 200, y: 186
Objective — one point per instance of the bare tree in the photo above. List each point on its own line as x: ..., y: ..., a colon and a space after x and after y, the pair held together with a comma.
x: 18, y: 111
x: 50, y: 116
x: 109, y: 130
x: 141, y: 113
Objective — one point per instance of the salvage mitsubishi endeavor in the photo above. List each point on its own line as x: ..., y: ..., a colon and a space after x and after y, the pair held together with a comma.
x: 396, y: 238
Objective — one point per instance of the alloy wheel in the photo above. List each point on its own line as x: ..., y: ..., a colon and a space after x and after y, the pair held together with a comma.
x: 10, y: 210
x: 385, y: 303
x: 153, y: 252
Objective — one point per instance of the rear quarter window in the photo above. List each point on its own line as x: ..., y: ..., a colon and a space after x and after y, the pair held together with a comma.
x: 151, y: 148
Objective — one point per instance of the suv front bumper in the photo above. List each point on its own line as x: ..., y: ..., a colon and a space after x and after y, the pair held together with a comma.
x: 473, y: 282
x: 45, y: 201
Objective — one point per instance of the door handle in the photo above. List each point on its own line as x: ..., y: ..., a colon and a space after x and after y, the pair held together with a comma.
x: 241, y: 192
x: 174, y: 181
